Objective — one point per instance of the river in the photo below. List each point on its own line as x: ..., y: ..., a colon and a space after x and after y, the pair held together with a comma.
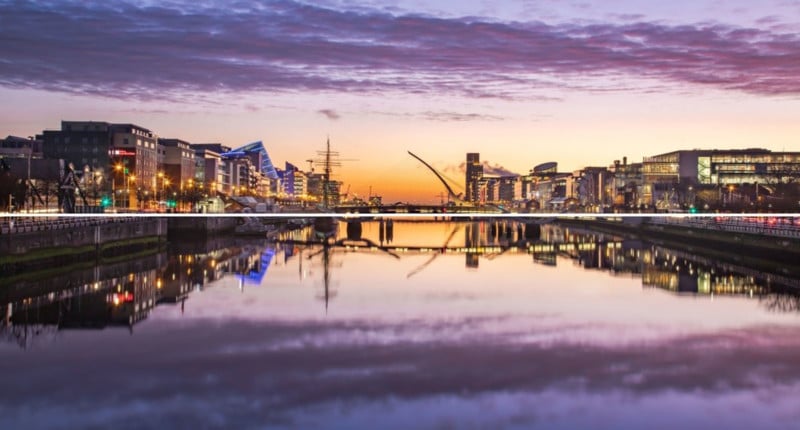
x: 417, y: 324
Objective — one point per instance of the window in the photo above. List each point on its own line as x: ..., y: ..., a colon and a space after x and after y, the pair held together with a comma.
x: 704, y: 170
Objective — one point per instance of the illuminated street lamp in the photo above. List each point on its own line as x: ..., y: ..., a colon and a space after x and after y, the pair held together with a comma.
x: 161, y: 194
x: 730, y: 193
x: 117, y: 169
x: 164, y: 185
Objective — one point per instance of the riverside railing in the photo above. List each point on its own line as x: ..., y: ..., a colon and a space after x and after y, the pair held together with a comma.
x: 33, y: 224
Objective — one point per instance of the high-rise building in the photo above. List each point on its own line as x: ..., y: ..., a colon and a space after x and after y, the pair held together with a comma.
x: 178, y: 165
x: 210, y: 168
x: 754, y: 175
x: 294, y: 181
x: 314, y: 185
x: 258, y: 157
x: 591, y: 187
x: 122, y: 157
x: 474, y: 172
x: 506, y: 187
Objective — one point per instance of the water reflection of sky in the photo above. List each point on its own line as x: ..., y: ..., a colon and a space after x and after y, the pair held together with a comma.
x: 508, y: 293
x: 512, y: 344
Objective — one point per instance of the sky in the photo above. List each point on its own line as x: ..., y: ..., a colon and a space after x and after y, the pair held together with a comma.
x: 582, y: 83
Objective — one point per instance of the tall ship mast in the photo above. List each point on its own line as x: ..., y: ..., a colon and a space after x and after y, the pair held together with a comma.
x: 329, y: 160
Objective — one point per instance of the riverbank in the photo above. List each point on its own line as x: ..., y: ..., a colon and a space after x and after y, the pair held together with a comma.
x: 757, y: 248
x: 51, y: 246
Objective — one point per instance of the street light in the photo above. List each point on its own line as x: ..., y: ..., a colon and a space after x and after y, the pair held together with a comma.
x: 730, y: 194
x: 117, y: 169
x: 160, y: 195
x: 28, y: 185
x: 164, y: 184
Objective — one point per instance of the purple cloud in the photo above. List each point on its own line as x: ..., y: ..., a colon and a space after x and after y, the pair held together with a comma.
x: 280, y: 368
x: 447, y: 116
x: 178, y: 50
x: 443, y: 116
x: 330, y: 114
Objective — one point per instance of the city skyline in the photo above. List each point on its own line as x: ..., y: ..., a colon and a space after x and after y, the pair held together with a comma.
x: 582, y: 84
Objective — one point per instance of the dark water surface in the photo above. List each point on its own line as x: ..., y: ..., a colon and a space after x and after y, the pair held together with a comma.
x: 421, y: 324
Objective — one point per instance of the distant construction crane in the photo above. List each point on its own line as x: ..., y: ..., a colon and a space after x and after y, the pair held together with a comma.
x: 346, y: 193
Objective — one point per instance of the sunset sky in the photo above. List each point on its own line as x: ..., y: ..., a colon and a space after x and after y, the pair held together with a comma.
x: 524, y: 82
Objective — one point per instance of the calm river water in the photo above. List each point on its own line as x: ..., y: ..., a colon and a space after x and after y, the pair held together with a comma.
x: 412, y: 325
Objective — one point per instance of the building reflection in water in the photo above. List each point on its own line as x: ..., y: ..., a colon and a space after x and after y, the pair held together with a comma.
x: 124, y: 293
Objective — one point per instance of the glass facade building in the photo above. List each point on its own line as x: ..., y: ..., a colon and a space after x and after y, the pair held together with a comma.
x: 722, y: 167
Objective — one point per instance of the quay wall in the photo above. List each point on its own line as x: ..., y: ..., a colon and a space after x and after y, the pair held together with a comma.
x: 747, y: 241
x: 25, y: 237
x: 29, y: 245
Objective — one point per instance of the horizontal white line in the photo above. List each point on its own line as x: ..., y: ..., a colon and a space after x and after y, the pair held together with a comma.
x: 394, y: 215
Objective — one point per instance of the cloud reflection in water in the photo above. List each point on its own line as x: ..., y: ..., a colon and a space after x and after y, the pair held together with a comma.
x: 238, y: 373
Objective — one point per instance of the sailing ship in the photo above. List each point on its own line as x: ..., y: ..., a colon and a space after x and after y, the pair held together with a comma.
x: 327, y: 226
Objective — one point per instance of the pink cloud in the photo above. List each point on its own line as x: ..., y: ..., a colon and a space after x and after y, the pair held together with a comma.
x: 117, y: 49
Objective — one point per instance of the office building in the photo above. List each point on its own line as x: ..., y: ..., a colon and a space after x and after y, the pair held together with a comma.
x: 474, y: 173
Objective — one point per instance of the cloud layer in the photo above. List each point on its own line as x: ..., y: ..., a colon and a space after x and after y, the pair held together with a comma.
x: 235, y: 374
x: 118, y: 49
